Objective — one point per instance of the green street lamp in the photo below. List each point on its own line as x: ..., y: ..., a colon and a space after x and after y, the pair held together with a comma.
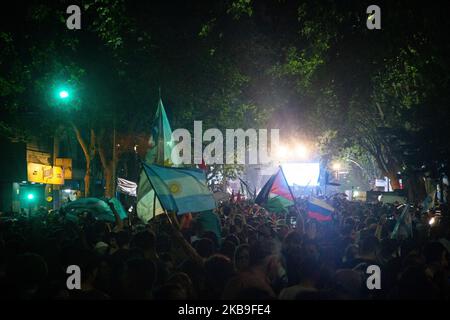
x: 63, y: 94
x: 30, y: 198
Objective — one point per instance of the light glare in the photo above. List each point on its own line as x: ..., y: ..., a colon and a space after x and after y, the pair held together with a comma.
x: 302, y: 151
x: 302, y: 174
x: 282, y: 152
x: 432, y: 221
x: 336, y: 166
x: 63, y: 94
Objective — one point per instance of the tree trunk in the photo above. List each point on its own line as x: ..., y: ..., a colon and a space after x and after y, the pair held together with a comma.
x: 108, y: 167
x: 87, y: 179
x: 109, y: 186
x: 415, y: 187
x: 89, y: 153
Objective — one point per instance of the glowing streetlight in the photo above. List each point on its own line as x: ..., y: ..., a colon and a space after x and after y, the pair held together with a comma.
x: 63, y: 94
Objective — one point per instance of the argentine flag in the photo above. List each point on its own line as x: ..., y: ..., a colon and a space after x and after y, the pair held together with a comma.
x: 159, y: 153
x: 180, y: 190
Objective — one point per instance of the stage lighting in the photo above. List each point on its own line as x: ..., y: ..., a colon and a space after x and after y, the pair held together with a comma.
x: 302, y: 151
x: 302, y: 174
x: 282, y: 152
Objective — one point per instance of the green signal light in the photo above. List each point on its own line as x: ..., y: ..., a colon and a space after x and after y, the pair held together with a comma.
x: 30, y: 196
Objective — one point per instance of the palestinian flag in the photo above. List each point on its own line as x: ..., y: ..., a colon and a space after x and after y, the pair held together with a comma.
x: 275, y: 196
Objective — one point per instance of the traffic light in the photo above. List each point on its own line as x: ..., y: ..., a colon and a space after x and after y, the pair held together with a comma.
x: 30, y: 196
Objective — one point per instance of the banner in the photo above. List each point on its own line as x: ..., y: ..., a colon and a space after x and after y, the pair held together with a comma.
x: 38, y: 157
x: 126, y: 187
x: 45, y: 174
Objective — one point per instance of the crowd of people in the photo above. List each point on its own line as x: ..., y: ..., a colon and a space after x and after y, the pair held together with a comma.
x: 240, y: 251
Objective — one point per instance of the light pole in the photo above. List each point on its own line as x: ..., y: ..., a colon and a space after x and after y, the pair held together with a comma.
x: 114, y: 158
x: 30, y: 198
x: 63, y: 95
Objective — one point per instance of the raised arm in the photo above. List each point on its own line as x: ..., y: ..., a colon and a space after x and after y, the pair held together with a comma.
x: 119, y: 223
x: 185, y: 246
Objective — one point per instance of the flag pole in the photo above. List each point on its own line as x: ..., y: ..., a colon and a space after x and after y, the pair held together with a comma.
x: 154, y: 200
x: 177, y: 224
x: 168, y: 217
x: 290, y: 191
x: 292, y: 195
x: 154, y: 204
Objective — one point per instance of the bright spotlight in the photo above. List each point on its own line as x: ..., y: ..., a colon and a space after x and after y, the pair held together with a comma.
x: 336, y: 166
x: 282, y: 152
x: 302, y: 151
x: 432, y: 221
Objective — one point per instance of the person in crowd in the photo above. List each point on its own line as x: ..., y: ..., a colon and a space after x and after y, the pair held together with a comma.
x: 88, y: 263
x: 228, y: 249
x: 242, y: 258
x: 307, y: 278
x: 368, y: 249
x: 262, y: 270
x: 145, y: 241
x: 218, y: 271
x: 139, y: 278
x: 242, y: 251
x: 25, y: 276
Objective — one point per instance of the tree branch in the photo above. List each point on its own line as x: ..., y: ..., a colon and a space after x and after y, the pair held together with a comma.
x: 81, y: 141
x: 101, y: 153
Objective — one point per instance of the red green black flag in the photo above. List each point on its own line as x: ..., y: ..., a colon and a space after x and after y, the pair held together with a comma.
x: 275, y: 196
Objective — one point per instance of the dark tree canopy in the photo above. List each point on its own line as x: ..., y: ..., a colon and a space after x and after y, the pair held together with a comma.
x: 311, y: 68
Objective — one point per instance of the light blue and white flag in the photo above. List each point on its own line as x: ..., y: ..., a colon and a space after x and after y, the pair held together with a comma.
x: 403, y: 227
x: 159, y: 153
x: 180, y: 190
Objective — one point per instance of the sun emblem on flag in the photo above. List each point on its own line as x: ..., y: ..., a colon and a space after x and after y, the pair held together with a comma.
x: 174, y: 188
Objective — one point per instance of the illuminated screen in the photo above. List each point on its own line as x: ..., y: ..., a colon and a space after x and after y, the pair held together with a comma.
x: 302, y: 174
